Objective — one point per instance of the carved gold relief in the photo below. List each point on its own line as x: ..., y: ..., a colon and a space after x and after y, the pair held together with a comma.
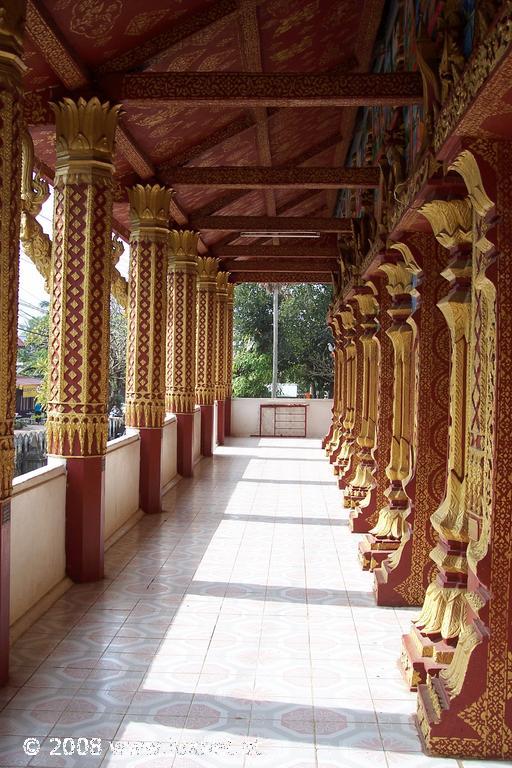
x: 221, y: 374
x: 358, y: 492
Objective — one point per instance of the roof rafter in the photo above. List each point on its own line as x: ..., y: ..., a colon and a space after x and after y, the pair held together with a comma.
x: 271, y: 223
x: 276, y: 252
x: 280, y: 277
x: 258, y: 264
x: 252, y: 177
x: 249, y: 89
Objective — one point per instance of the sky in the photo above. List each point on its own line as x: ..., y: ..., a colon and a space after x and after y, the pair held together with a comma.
x: 32, y: 292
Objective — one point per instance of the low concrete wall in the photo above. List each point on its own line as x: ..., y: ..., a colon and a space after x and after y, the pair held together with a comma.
x: 245, y: 415
x: 38, y: 554
x: 169, y: 475
x: 196, y: 445
x: 121, y: 481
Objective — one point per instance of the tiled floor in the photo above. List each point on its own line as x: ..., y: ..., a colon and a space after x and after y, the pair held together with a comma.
x: 236, y: 629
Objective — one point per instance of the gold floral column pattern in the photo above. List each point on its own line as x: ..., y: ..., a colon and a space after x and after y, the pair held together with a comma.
x: 181, y: 322
x: 35, y: 191
x: 334, y: 437
x: 229, y: 355
x: 207, y: 269
x: 359, y: 490
x: 81, y: 274
x: 11, y: 69
x: 147, y: 305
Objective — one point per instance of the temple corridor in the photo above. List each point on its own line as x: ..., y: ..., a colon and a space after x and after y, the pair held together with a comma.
x: 237, y: 624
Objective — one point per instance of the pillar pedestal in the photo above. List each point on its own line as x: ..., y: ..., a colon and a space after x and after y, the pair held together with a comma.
x: 207, y: 430
x: 85, y: 503
x: 150, y: 499
x: 221, y: 422
x: 185, y: 444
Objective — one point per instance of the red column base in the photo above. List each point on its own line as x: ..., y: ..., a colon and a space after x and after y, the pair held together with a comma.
x: 207, y: 430
x: 85, y: 508
x: 221, y: 429
x: 185, y: 440
x: 372, y: 551
x: 362, y: 520
x: 227, y: 417
x: 150, y: 498
x: 5, y: 576
x: 419, y: 657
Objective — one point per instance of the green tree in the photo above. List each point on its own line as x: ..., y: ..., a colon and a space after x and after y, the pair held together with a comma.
x: 117, y: 356
x: 304, y: 339
x: 33, y: 356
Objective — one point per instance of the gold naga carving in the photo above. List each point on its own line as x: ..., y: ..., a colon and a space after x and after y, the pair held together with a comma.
x: 207, y: 269
x: 35, y: 191
x: 181, y: 321
x: 391, y: 525
x: 358, y: 491
x: 119, y: 284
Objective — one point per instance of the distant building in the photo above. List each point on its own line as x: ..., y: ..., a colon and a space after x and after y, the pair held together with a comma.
x: 27, y: 388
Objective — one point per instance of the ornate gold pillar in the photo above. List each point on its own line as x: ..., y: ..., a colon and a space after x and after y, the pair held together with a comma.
x: 181, y: 342
x: 146, y: 323
x: 229, y: 359
x: 11, y: 69
x: 221, y: 359
x: 79, y: 321
x: 359, y: 491
x: 207, y: 269
x: 434, y: 635
x: 402, y: 271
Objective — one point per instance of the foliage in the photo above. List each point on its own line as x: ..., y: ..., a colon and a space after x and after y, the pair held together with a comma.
x: 117, y: 356
x: 33, y: 357
x: 252, y: 371
x: 304, y: 339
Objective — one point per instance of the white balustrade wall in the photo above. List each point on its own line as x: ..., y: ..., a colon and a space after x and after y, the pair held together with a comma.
x: 245, y: 415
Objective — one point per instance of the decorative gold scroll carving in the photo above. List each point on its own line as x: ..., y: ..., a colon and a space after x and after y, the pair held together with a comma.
x: 35, y: 191
x: 347, y: 449
x: 229, y: 340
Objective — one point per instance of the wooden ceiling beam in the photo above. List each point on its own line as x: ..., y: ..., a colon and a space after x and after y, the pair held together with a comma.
x: 279, y: 265
x: 280, y: 277
x: 249, y: 89
x: 303, y: 250
x: 177, y: 30
x: 271, y: 223
x: 253, y: 177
